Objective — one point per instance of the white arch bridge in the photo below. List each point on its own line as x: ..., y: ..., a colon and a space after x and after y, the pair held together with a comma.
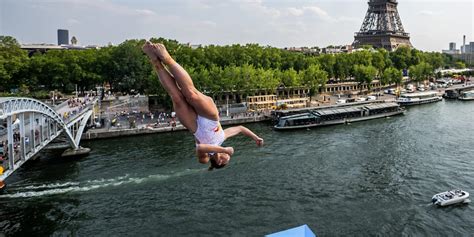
x: 31, y: 125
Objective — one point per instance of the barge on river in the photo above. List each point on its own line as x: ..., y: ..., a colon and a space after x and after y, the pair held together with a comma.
x: 338, y: 115
x: 467, y: 95
x: 455, y: 93
x: 419, y: 98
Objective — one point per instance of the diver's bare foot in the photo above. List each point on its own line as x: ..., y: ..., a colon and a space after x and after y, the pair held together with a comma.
x: 161, y: 52
x: 149, y: 50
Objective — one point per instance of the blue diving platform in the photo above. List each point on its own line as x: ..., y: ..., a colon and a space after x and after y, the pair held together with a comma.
x: 300, y: 231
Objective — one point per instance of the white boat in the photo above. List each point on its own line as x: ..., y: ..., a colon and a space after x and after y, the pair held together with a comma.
x: 450, y: 197
x: 467, y: 95
x: 419, y: 98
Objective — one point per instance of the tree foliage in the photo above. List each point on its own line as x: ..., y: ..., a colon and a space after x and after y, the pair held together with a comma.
x: 365, y: 74
x: 214, y: 68
x: 392, y: 75
x: 420, y: 72
x: 12, y: 60
x: 313, y: 78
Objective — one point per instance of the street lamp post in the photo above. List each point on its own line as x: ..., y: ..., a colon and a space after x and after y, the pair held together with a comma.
x: 227, y: 105
x: 99, y: 93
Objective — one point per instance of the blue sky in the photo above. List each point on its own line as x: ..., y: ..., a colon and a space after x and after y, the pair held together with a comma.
x: 280, y: 23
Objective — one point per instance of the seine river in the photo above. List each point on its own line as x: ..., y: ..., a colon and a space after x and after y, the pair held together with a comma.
x: 373, y: 178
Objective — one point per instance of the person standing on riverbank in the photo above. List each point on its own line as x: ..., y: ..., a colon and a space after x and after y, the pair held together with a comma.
x: 196, y: 111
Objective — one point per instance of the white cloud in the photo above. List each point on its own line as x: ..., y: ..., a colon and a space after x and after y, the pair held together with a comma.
x: 257, y: 7
x: 258, y: 2
x: 295, y: 11
x: 208, y: 24
x: 105, y: 5
x: 201, y: 4
x: 318, y: 11
x: 427, y: 13
x: 145, y: 12
x: 72, y: 21
x: 308, y: 10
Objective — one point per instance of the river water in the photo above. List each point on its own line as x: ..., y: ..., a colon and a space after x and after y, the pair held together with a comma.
x: 362, y: 179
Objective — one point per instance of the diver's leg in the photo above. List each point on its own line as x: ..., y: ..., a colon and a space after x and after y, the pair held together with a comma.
x: 185, y: 112
x: 202, y: 104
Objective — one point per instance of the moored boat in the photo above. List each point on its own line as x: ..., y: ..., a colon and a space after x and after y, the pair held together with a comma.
x: 419, y: 98
x: 450, y: 197
x: 455, y: 93
x: 338, y: 115
x: 467, y: 95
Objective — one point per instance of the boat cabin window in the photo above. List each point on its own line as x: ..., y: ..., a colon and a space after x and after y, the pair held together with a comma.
x: 299, y: 121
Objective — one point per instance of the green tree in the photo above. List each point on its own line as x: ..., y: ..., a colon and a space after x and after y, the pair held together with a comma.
x: 365, y: 74
x: 327, y: 62
x: 363, y: 57
x: 130, y: 68
x: 342, y: 66
x: 379, y: 60
x: 401, y: 57
x: 459, y: 65
x: 416, y: 57
x: 314, y: 78
x: 436, y: 60
x: 104, y: 66
x: 420, y: 72
x: 214, y: 69
x: 289, y: 78
x: 392, y: 75
x: 12, y: 60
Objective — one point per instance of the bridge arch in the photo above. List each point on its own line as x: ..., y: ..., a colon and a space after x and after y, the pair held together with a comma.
x: 10, y: 106
x: 25, y: 144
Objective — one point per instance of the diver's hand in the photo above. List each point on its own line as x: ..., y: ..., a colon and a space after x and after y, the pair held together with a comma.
x: 259, y: 141
x: 223, y: 160
x: 229, y: 150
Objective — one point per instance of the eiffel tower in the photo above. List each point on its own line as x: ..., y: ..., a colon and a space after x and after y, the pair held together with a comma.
x: 382, y: 27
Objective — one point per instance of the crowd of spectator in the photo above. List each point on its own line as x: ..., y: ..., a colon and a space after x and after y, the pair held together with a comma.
x: 249, y: 114
x: 136, y: 119
x: 76, y: 102
x: 76, y: 105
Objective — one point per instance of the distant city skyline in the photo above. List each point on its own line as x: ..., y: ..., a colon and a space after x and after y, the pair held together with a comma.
x: 281, y: 23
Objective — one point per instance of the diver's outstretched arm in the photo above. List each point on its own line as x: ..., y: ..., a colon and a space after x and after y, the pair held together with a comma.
x: 232, y: 131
